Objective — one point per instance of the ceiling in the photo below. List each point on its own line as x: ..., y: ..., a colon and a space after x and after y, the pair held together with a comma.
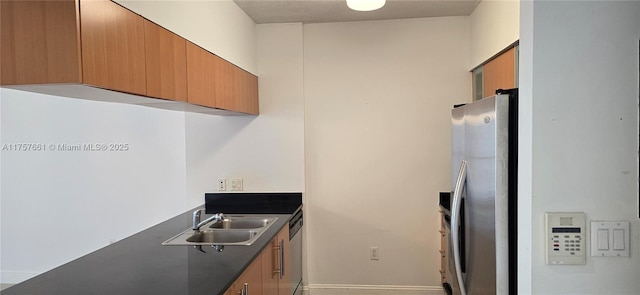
x: 324, y: 11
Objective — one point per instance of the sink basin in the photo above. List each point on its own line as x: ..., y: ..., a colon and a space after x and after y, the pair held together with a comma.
x: 222, y: 237
x: 242, y: 223
x: 235, y: 230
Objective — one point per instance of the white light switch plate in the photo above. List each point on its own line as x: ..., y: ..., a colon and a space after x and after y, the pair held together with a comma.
x: 236, y: 184
x: 610, y: 238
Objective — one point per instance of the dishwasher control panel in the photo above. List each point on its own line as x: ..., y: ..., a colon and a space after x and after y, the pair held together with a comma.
x: 565, y: 238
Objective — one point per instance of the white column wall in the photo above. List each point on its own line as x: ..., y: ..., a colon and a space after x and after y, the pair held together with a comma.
x: 582, y: 97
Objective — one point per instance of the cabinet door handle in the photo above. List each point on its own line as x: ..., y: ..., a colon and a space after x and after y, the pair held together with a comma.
x: 245, y: 289
x: 277, y: 263
x: 282, y: 259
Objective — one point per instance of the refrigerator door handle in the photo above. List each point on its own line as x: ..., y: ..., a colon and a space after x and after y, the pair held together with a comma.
x: 455, y: 223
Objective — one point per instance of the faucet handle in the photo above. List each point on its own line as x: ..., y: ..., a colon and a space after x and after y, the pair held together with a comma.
x: 196, y: 218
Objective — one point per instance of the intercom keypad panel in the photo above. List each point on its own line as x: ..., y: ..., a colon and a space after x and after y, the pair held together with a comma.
x: 565, y: 238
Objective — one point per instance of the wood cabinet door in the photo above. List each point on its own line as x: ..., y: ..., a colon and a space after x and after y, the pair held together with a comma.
x: 113, y: 53
x: 276, y: 259
x: 252, y: 276
x: 40, y: 42
x: 235, y: 88
x: 270, y: 268
x: 200, y: 76
x: 499, y: 73
x: 247, y: 97
x: 225, y: 84
x: 166, y: 63
x: 284, y: 285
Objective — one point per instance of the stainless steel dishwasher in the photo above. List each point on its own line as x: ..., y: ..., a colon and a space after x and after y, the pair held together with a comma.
x: 295, y: 243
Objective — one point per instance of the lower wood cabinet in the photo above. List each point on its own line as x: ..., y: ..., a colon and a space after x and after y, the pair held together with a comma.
x: 249, y: 282
x: 276, y: 265
x: 268, y: 274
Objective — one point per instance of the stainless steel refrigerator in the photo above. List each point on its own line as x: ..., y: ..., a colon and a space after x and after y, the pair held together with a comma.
x: 482, y: 242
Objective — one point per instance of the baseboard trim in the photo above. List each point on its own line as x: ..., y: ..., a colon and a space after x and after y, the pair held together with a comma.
x: 346, y: 289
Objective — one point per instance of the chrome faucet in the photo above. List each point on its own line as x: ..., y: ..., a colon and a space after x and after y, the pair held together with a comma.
x: 196, y: 219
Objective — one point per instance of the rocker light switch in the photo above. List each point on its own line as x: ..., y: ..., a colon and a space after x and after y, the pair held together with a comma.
x: 603, y: 239
x: 618, y: 239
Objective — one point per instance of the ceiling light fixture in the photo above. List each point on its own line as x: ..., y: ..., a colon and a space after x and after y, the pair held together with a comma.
x: 365, y: 5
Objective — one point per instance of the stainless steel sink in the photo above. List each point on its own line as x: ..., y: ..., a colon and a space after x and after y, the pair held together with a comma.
x: 242, y: 223
x: 222, y: 237
x: 237, y: 231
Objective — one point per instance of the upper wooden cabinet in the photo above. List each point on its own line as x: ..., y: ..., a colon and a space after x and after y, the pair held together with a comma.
x: 93, y: 42
x: 247, y: 97
x: 200, y: 76
x: 237, y: 89
x: 113, y: 51
x: 226, y: 91
x: 100, y: 43
x: 40, y: 42
x: 500, y: 73
x: 215, y: 82
x: 497, y: 73
x: 166, y: 63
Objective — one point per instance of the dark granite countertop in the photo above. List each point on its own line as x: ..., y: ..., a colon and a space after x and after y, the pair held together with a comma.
x: 140, y: 264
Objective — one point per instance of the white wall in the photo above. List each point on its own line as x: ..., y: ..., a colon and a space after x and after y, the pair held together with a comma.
x: 74, y: 202
x: 267, y: 151
x: 494, y: 26
x: 219, y: 26
x: 581, y: 90
x: 377, y: 101
x: 49, y: 194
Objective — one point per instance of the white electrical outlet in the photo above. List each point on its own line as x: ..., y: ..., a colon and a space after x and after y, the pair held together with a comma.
x: 222, y: 184
x: 236, y: 184
x: 374, y: 254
